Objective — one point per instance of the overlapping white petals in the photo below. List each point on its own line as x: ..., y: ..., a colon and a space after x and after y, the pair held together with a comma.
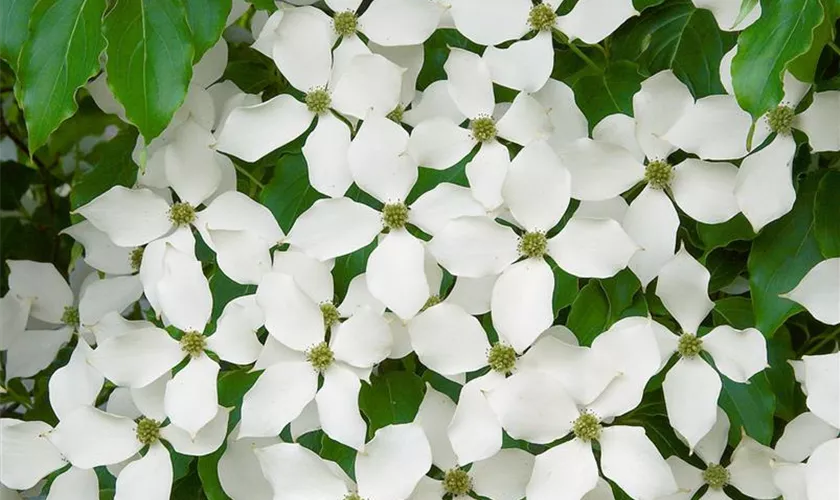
x: 819, y: 291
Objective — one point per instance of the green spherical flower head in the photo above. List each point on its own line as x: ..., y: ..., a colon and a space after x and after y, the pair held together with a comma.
x: 320, y: 356
x: 181, y: 214
x: 432, y: 301
x: 457, y: 482
x: 345, y: 23
x: 394, y: 215
x: 587, y: 427
x: 689, y: 345
x: 716, y: 476
x: 780, y: 119
x: 193, y: 343
x: 542, y: 17
x: 330, y: 314
x: 396, y: 115
x: 318, y: 101
x: 148, y: 430
x: 483, y: 128
x: 501, y: 358
x: 136, y: 258
x: 70, y: 317
x: 659, y: 174
x: 533, y: 244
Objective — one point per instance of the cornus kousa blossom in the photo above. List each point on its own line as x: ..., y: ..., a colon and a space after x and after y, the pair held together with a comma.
x: 807, y: 438
x: 819, y: 292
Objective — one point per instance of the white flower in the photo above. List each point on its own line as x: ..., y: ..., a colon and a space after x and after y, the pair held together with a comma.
x: 820, y: 379
x: 807, y: 437
x: 819, y: 291
x: 26, y: 453
x: 101, y: 253
x: 727, y: 13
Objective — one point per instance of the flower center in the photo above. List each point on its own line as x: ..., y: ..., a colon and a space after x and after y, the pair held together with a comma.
x: 193, y: 343
x: 70, y: 317
x: 148, y: 430
x: 318, y: 100
x: 396, y: 115
x: 689, y: 345
x: 353, y: 496
x: 181, y: 214
x: 432, y: 301
x: 781, y: 119
x: 320, y: 356
x: 136, y: 258
x: 457, y: 482
x: 483, y: 128
x: 345, y: 23
x: 587, y: 427
x: 330, y: 314
x: 533, y: 244
x: 502, y: 358
x: 394, y: 215
x: 659, y: 173
x: 716, y: 476
x: 541, y: 17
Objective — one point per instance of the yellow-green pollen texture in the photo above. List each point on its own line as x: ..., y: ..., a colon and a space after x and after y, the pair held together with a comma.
x: 659, y: 174
x: 483, y: 128
x: 542, y: 17
x: 533, y: 244
x: 345, y: 23
x: 394, y: 215
x: 716, y: 476
x: 780, y: 119
x: 689, y: 345
x: 353, y: 496
x: 70, y: 316
x: 318, y: 101
x: 148, y: 430
x: 501, y: 358
x: 181, y: 214
x: 432, y: 301
x: 193, y: 343
x: 457, y: 482
x: 136, y: 258
x: 330, y: 314
x: 587, y: 427
x: 396, y: 115
x: 320, y: 356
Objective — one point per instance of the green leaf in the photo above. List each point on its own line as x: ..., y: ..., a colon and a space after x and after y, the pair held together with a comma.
x: 16, y: 180
x: 720, y: 235
x: 207, y: 19
x: 620, y: 290
x: 746, y: 7
x: 781, y: 256
x: 253, y: 72
x: 14, y: 20
x: 60, y: 54
x: 734, y: 311
x: 782, y: 33
x: 749, y: 406
x: 341, y: 454
x: 436, y: 51
x: 233, y: 385
x: 224, y: 290
x: 680, y: 37
x: 391, y: 398
x: 590, y: 313
x: 348, y: 267
x: 289, y: 193
x: 208, y: 472
x: 789, y: 400
x: 804, y: 66
x: 565, y: 288
x: 428, y: 179
x: 724, y: 266
x: 150, y: 57
x: 608, y: 93
x: 827, y: 215
x: 113, y: 166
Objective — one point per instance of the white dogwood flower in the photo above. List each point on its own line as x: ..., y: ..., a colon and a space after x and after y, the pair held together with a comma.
x: 819, y: 291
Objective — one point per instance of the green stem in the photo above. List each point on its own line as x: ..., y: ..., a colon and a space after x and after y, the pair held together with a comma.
x: 834, y: 47
x: 563, y: 39
x: 248, y: 175
x: 828, y: 338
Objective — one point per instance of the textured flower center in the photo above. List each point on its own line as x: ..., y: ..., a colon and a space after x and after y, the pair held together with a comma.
x: 396, y: 115
x: 181, y: 214
x: 533, y: 244
x: 689, y: 345
x: 457, y: 482
x: 587, y: 427
x: 716, y: 476
x: 193, y: 343
x: 148, y: 430
x: 483, y: 128
x: 353, y: 496
x: 317, y: 100
x: 320, y: 356
x: 394, y: 215
x: 330, y: 314
x: 70, y: 316
x: 136, y: 258
x: 345, y: 23
x: 659, y: 173
x: 781, y: 119
x: 542, y: 17
x: 501, y: 358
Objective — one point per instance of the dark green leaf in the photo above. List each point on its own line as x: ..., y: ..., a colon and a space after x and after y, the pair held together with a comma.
x: 428, y: 179
x: 565, y: 288
x: 14, y: 21
x: 289, y: 193
x: 233, y: 385
x: 208, y: 472
x: 60, y: 54
x: 224, y: 290
x: 734, y: 311
x: 436, y: 50
x: 827, y: 215
x: 620, y: 290
x: 804, y: 66
x: 391, y: 398
x: 789, y: 400
x: 343, y: 455
x: 590, y: 313
x: 16, y: 180
x: 749, y: 407
x: 150, y: 57
x: 724, y: 266
x: 608, y: 93
x: 207, y: 20
x: 720, y: 235
x: 253, y: 72
x: 113, y: 166
x: 348, y: 267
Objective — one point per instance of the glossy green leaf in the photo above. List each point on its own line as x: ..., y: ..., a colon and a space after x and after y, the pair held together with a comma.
x: 746, y: 7
x: 60, y: 54
x: 565, y: 288
x: 341, y: 454
x: 720, y: 235
x: 207, y: 20
x: 150, y: 56
x: 609, y: 92
x: 289, y: 193
x: 790, y: 401
x: 113, y: 166
x: 590, y: 313
x: 749, y: 406
x: 391, y: 398
x: 804, y: 66
x: 209, y: 473
x: 224, y: 290
x: 14, y: 21
x: 782, y: 33
x: 827, y: 215
x: 348, y: 267
x: 734, y: 311
x: 724, y: 266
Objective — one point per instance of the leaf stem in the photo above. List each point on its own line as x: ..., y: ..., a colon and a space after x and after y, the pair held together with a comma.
x: 248, y: 175
x: 834, y: 47
x: 563, y: 39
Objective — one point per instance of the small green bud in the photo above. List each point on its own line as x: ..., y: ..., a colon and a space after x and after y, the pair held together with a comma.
x: 432, y: 301
x: 541, y: 17
x: 716, y: 476
x: 394, y: 215
x: 330, y: 314
x: 659, y: 174
x: 193, y: 343
x: 70, y: 316
x: 320, y: 356
x: 502, y: 358
x: 136, y: 258
x: 483, y: 128
x: 587, y: 427
x: 318, y: 100
x: 148, y: 430
x: 533, y: 244
x: 396, y: 115
x: 345, y: 23
x: 181, y: 214
x: 457, y: 482
x: 780, y: 119
x: 689, y: 345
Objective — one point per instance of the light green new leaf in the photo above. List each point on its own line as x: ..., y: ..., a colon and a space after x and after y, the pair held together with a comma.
x: 150, y: 57
x: 782, y: 33
x: 60, y: 54
x: 207, y: 20
x: 14, y: 21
